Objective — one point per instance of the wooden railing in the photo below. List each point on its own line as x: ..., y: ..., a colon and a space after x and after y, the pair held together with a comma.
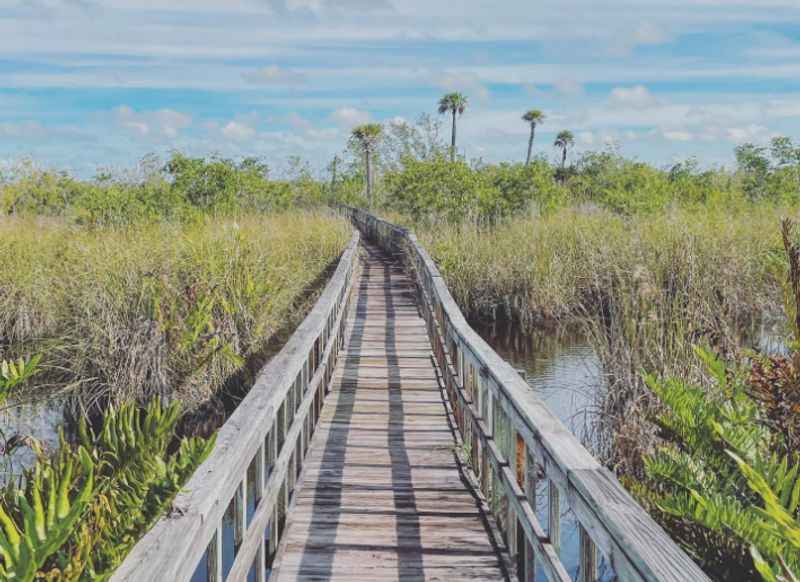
x: 251, y: 474
x: 513, y: 441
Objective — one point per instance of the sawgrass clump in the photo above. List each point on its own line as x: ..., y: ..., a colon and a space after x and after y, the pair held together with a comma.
x: 162, y: 309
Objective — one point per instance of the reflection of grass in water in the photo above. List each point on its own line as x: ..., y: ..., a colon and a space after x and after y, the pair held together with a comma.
x: 38, y: 419
x: 559, y: 365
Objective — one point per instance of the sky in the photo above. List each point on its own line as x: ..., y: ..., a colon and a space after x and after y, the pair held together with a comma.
x: 88, y: 84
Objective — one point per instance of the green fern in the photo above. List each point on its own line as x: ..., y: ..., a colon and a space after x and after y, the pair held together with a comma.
x: 132, y: 481
x: 716, y: 468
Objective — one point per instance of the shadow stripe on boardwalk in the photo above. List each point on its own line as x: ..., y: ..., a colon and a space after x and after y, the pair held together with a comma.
x: 367, y: 508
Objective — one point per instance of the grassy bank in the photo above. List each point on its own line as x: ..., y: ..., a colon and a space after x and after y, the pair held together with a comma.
x: 156, y: 309
x: 558, y: 268
x: 644, y: 289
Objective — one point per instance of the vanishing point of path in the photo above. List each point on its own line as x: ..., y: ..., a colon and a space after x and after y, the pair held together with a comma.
x: 383, y: 496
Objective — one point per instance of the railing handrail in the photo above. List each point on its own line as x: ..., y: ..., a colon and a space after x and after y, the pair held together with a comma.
x: 610, y: 519
x: 287, y: 391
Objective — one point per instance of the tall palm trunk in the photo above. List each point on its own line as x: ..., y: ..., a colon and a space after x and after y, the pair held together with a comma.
x: 563, y: 158
x: 530, y: 144
x: 453, y: 139
x: 368, y: 163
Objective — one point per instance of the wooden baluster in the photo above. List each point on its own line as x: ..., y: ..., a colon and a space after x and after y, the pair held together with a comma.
x: 530, y: 492
x: 589, y: 570
x: 511, y: 515
x: 240, y: 514
x: 554, y: 517
x: 260, y: 484
x: 215, y: 557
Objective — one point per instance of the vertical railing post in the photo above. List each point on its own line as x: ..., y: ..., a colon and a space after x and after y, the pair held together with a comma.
x: 240, y: 513
x: 530, y: 493
x: 589, y: 571
x: 215, y: 557
x: 260, y: 484
x: 554, y: 516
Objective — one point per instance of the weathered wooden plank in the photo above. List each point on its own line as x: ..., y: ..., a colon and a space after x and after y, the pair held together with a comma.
x: 383, y: 496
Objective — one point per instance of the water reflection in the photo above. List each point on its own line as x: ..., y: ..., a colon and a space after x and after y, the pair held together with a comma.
x: 561, y: 367
x: 40, y: 420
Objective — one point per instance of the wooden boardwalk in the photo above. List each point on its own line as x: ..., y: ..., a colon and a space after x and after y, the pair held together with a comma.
x: 382, y: 495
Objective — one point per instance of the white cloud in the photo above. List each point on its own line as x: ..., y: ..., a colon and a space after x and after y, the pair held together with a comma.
x: 274, y: 75
x: 748, y: 133
x: 350, y: 116
x: 238, y: 131
x: 677, y: 135
x: 638, y: 97
x: 165, y: 123
x: 586, y: 138
x: 462, y: 81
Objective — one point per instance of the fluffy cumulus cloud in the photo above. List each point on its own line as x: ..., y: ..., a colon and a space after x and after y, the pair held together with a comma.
x: 462, y: 81
x: 163, y: 123
x: 238, y: 131
x: 638, y: 97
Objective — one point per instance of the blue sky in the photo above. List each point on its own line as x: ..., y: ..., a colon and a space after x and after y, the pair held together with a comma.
x: 90, y: 83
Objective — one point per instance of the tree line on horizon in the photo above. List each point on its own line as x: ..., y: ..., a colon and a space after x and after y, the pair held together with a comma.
x: 367, y: 136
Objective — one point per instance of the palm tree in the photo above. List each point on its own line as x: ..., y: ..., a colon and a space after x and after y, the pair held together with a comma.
x: 366, y: 137
x: 564, y: 140
x: 534, y: 117
x: 454, y: 103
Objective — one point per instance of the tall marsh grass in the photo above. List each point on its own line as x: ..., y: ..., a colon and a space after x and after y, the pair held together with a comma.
x: 644, y: 289
x: 158, y: 309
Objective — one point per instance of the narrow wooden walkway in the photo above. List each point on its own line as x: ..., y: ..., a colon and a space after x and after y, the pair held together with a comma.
x: 382, y: 496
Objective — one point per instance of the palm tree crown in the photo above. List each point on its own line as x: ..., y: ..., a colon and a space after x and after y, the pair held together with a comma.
x: 367, y: 135
x: 534, y: 117
x: 564, y: 140
x: 454, y: 103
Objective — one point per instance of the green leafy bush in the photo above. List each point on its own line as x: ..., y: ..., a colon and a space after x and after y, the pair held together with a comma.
x: 722, y: 472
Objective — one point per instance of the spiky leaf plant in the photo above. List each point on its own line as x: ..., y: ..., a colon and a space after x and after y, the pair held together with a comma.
x: 13, y: 373
x: 40, y: 520
x: 130, y: 477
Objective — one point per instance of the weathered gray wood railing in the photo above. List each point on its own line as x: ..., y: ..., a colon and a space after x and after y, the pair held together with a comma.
x: 513, y: 441
x: 260, y: 449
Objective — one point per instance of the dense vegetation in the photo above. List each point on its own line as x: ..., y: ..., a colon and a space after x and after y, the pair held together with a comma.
x: 167, y: 309
x: 182, y: 188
